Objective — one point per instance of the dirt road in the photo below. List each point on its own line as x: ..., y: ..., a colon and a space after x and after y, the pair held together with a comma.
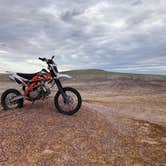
x: 121, y: 123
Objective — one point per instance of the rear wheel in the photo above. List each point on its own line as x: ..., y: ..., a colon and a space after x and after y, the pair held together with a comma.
x: 8, y: 99
x: 71, y: 104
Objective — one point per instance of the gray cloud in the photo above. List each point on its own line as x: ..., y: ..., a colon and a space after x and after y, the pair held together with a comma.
x: 118, y: 35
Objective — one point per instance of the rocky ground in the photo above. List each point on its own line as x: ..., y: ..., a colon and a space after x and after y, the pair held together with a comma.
x: 122, y: 123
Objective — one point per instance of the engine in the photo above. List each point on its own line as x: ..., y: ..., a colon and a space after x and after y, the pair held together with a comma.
x: 40, y: 92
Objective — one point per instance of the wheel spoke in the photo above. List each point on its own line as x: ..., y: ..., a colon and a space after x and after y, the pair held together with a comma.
x: 11, y: 104
x: 71, y: 98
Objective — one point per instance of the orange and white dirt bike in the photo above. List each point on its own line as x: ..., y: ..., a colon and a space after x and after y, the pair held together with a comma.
x: 38, y: 86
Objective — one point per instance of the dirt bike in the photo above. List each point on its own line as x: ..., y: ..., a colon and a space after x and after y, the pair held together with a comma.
x: 37, y: 86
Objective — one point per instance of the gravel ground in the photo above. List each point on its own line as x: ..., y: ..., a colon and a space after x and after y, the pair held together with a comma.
x: 122, y: 123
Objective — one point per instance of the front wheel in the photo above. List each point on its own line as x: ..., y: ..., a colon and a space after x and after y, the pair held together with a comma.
x: 72, y: 102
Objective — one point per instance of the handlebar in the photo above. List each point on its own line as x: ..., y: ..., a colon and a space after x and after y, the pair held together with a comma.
x: 47, y: 60
x: 42, y: 59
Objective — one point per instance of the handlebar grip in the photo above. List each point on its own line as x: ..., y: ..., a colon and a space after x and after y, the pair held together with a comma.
x: 42, y: 59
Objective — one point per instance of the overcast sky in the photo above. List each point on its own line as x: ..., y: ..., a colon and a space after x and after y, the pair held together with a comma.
x: 115, y: 35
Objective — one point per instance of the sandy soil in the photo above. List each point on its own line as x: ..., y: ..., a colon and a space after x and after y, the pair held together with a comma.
x: 122, y: 123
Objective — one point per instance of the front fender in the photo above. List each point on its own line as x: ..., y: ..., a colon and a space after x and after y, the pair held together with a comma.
x: 63, y: 76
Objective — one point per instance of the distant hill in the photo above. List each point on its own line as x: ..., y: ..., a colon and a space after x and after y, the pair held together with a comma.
x: 95, y: 74
x: 99, y: 75
x: 4, y: 77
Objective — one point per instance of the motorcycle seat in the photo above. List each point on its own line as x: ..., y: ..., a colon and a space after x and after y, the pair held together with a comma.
x: 28, y: 76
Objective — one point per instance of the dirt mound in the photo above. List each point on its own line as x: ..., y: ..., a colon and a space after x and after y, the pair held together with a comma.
x: 39, y: 135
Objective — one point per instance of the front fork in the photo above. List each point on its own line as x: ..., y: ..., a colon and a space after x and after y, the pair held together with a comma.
x: 60, y: 88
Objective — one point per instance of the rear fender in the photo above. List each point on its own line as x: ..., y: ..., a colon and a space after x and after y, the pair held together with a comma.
x: 13, y: 76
